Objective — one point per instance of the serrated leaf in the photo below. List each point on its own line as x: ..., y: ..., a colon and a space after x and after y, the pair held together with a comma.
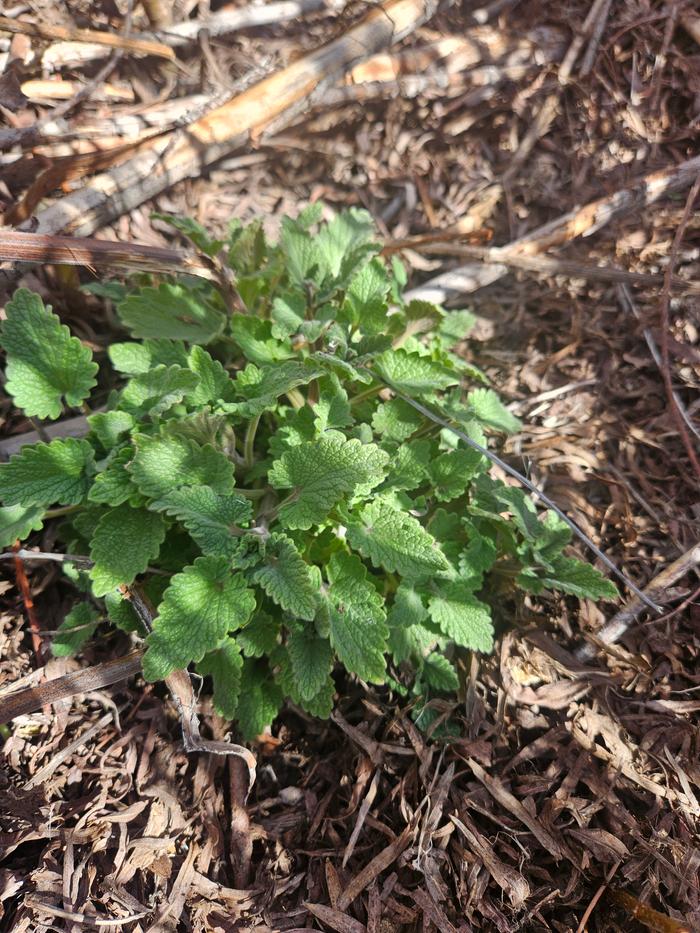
x: 225, y: 667
x: 47, y: 474
x: 254, y: 336
x: 358, y: 629
x: 285, y: 578
x: 411, y: 466
x: 114, y: 484
x: 162, y: 464
x: 260, y: 388
x: 201, y: 606
x: 157, y: 390
x: 488, y: 409
x: 260, y: 636
x: 570, y: 576
x: 414, y: 374
x: 77, y: 627
x: 17, y: 522
x: 408, y: 637
x: 332, y: 410
x: 456, y: 326
x: 213, y: 520
x: 213, y: 380
x: 136, y: 358
x: 125, y: 541
x: 452, y: 472
x: 177, y: 312
x: 194, y: 232
x: 476, y: 559
x: 312, y: 661
x: 396, y: 420
x: 462, y: 617
x: 45, y: 364
x: 438, y: 673
x: 394, y: 540
x: 287, y: 314
x: 323, y: 472
x: 109, y: 427
x: 260, y: 700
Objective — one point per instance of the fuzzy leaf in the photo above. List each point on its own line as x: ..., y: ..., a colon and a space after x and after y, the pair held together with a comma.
x: 213, y: 380
x: 260, y: 388
x: 110, y: 426
x: 158, y: 390
x: 396, y: 420
x: 136, y: 358
x: 174, y: 311
x: 260, y: 700
x: 312, y: 661
x: 47, y: 474
x: 225, y: 667
x: 114, y: 484
x: 570, y: 576
x: 200, y: 607
x: 213, y: 520
x: 126, y: 540
x: 410, y: 467
x: 194, y: 232
x: 488, y: 409
x: 17, y: 522
x: 45, y: 364
x: 358, y: 629
x: 260, y: 636
x: 254, y: 336
x: 285, y: 578
x: 456, y: 326
x: 438, y: 673
x: 321, y: 473
x: 75, y: 630
x: 395, y: 540
x: 162, y: 464
x: 414, y: 374
x: 462, y: 617
x: 452, y: 472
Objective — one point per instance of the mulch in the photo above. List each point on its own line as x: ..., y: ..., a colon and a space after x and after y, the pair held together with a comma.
x: 568, y: 800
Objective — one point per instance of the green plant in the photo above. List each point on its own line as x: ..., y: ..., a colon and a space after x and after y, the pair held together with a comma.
x: 283, y: 506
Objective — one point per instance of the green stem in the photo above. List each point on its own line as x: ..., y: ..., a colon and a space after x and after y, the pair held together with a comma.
x: 253, y: 493
x: 62, y: 510
x: 248, y: 444
x: 368, y: 393
x: 296, y: 399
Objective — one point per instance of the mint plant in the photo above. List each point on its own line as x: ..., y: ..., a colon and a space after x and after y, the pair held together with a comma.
x: 253, y: 460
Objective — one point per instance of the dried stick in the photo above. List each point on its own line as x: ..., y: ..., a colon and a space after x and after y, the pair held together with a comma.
x: 185, y: 153
x: 613, y: 630
x: 113, y: 40
x: 581, y: 221
x: 664, y: 324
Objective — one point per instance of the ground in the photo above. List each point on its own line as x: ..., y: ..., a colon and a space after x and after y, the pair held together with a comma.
x: 569, y: 801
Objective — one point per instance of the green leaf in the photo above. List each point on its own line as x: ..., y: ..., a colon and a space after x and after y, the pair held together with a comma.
x: 136, y: 358
x: 126, y: 540
x: 488, y: 409
x: 452, y: 472
x: 408, y: 637
x: 47, y: 474
x: 177, y: 312
x: 213, y: 520
x: 285, y: 577
x: 456, y: 326
x: 321, y: 473
x: 254, y: 336
x: 225, y: 667
x: 395, y: 540
x: 462, y: 617
x: 476, y: 559
x: 288, y: 314
x: 201, y: 606
x: 77, y: 627
x: 260, y: 388
x: 114, y: 484
x: 17, y: 522
x: 109, y: 427
x: 194, y: 232
x: 162, y: 464
x: 396, y: 420
x: 45, y: 364
x: 260, y: 636
x: 158, y: 390
x: 213, y: 378
x: 570, y: 576
x: 260, y: 700
x: 358, y: 629
x: 414, y: 374
x: 312, y: 661
x: 411, y: 466
x: 439, y: 674
x: 333, y: 408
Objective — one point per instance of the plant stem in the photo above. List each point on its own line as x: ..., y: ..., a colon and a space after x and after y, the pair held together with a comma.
x: 296, y: 399
x: 61, y: 510
x: 248, y: 444
x: 368, y: 393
